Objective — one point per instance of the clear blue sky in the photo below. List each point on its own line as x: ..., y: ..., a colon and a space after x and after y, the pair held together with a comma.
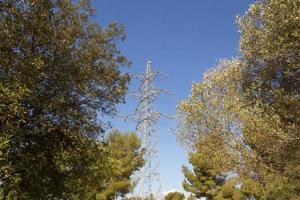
x: 182, y: 38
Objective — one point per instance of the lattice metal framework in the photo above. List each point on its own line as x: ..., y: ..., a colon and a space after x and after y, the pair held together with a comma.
x: 148, y: 179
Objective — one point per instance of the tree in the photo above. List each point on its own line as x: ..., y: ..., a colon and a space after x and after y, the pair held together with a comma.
x: 251, y: 188
x: 126, y: 157
x: 174, y: 196
x: 205, y: 180
x: 244, y: 114
x: 59, y: 74
x: 191, y: 197
x: 273, y: 83
x: 208, y: 120
x: 230, y: 191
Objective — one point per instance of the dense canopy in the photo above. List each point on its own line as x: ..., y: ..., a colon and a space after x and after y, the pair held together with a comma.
x: 244, y: 115
x: 61, y: 78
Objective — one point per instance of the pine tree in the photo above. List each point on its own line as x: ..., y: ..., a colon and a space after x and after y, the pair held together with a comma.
x: 191, y: 197
x: 126, y: 157
x: 175, y: 196
x: 204, y: 180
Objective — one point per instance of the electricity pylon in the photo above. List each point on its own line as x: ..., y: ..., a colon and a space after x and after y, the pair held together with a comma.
x: 148, y: 182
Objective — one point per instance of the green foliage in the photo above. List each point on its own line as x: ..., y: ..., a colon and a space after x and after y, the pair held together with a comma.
x: 281, y: 188
x: 204, y: 180
x: 229, y: 191
x: 207, y: 181
x: 174, y: 196
x: 272, y: 73
x: 252, y: 189
x: 208, y: 119
x: 272, y: 83
x: 126, y: 157
x: 244, y: 115
x: 59, y: 74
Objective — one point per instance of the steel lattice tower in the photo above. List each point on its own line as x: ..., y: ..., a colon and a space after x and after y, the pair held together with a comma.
x: 148, y: 182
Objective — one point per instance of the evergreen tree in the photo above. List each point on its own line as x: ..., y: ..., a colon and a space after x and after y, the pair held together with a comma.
x: 126, y: 157
x: 175, y: 196
x: 204, y: 180
x: 229, y: 191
